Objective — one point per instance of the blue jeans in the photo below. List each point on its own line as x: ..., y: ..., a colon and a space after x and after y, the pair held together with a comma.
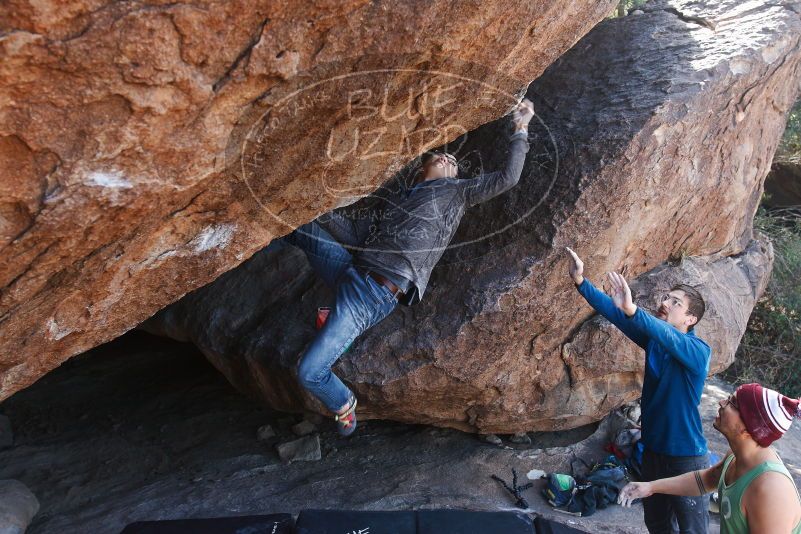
x: 361, y: 302
x: 663, y: 513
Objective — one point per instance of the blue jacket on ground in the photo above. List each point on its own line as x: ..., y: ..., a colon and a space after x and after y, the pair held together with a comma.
x: 676, y: 366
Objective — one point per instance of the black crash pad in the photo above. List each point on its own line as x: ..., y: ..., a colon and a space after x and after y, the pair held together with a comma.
x: 422, y: 522
x: 465, y: 522
x: 252, y: 524
x: 352, y: 522
x: 545, y: 526
x: 360, y: 522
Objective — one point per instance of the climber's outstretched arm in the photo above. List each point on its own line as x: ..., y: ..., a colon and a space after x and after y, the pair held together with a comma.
x: 602, y: 303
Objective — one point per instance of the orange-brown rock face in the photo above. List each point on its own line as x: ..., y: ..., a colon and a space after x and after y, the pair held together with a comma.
x: 656, y: 133
x: 147, y: 147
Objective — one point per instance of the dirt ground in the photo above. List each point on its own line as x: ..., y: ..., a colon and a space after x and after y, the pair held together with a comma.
x: 143, y: 428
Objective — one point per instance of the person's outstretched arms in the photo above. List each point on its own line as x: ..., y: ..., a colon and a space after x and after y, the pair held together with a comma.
x: 692, y: 352
x: 602, y: 303
x: 489, y: 185
x: 690, y: 484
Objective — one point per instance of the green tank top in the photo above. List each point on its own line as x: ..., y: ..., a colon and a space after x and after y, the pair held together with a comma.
x: 732, y: 520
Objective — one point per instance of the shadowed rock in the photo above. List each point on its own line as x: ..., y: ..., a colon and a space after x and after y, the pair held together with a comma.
x: 6, y: 433
x: 305, y: 449
x: 17, y: 507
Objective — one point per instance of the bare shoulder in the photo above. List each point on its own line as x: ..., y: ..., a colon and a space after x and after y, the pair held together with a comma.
x: 771, y: 499
x: 773, y: 485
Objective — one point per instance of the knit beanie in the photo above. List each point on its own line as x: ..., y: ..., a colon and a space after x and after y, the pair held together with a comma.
x: 767, y: 414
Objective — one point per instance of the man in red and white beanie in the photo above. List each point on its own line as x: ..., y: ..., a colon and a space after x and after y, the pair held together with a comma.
x: 756, y: 492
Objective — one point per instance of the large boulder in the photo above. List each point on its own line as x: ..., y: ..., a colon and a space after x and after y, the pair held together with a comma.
x: 655, y: 134
x: 146, y: 146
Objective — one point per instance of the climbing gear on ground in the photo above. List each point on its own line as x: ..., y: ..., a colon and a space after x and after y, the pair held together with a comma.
x: 559, y: 489
x: 515, y: 490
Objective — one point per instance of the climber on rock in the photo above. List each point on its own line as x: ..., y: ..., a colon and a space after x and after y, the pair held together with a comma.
x: 676, y: 366
x: 394, y: 262
x: 756, y: 492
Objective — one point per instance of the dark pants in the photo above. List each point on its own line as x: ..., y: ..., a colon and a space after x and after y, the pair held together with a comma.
x: 667, y: 514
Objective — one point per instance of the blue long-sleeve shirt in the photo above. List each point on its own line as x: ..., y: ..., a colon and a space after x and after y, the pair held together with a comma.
x: 676, y: 366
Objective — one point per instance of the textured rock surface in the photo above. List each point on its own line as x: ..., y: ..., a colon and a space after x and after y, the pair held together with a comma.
x: 305, y: 449
x: 178, y: 442
x: 122, y: 125
x: 656, y: 136
x: 17, y: 507
x: 600, y: 369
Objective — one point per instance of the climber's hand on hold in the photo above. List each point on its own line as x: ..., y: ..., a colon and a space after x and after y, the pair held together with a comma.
x: 575, y: 267
x: 522, y: 114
